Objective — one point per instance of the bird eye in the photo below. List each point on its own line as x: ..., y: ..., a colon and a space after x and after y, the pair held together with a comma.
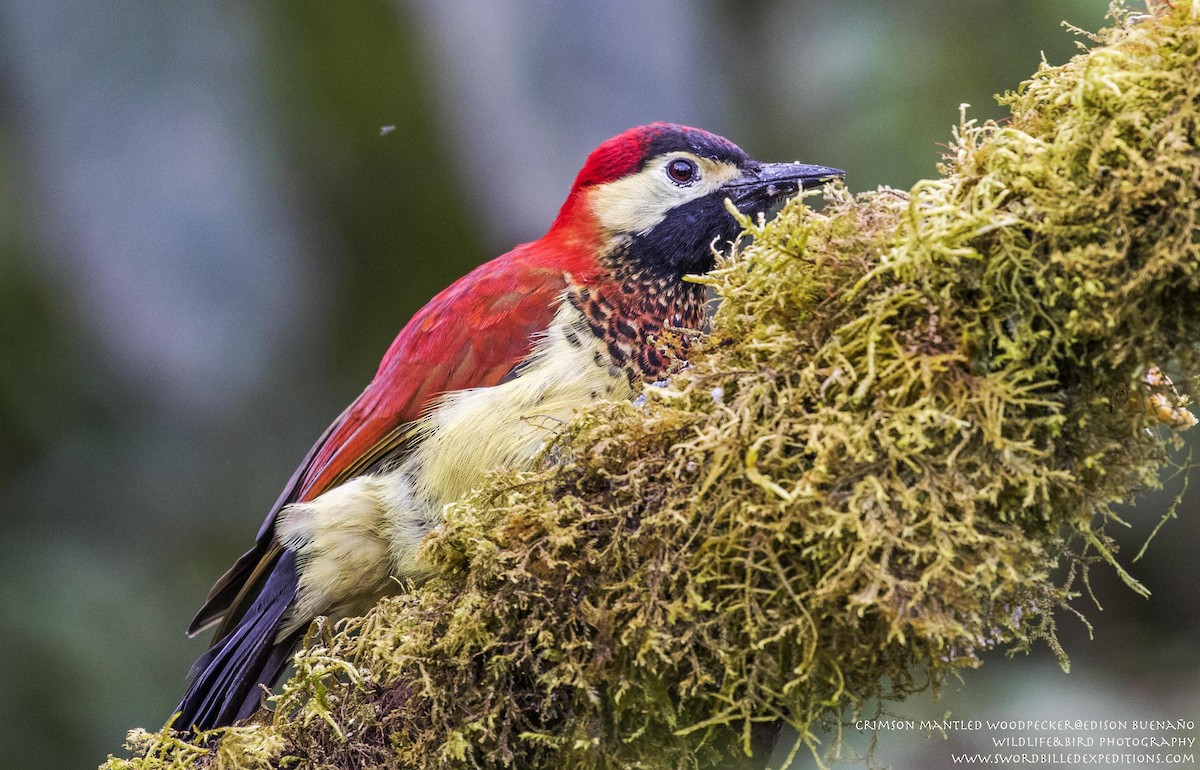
x: 681, y: 171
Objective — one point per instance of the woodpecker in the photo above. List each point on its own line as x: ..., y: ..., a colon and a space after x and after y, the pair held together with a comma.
x: 479, y: 379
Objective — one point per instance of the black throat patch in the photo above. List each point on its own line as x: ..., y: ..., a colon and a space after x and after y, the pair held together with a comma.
x: 681, y: 244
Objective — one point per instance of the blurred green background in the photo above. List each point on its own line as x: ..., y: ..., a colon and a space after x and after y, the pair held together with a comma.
x: 212, y: 224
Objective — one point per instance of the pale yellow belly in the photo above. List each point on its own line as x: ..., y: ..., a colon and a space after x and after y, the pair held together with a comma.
x: 354, y: 541
x: 475, y: 431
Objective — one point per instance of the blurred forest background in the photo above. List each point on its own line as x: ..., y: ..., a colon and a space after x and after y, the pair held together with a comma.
x: 212, y: 224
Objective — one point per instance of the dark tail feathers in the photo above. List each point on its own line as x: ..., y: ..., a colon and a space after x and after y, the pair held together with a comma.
x: 225, y: 687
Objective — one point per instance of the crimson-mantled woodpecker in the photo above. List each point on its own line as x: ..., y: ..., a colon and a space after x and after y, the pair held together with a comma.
x: 477, y: 380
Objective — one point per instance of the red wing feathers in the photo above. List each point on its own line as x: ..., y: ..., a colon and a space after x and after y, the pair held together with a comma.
x: 469, y: 336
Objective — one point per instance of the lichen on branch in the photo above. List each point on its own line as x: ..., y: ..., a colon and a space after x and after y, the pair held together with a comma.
x: 899, y: 446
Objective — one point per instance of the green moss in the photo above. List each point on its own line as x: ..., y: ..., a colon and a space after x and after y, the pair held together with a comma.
x: 899, y: 447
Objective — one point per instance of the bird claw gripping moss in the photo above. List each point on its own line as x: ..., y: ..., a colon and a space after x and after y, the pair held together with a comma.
x: 1159, y: 398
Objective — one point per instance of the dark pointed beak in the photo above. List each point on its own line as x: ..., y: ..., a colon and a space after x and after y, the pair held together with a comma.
x: 768, y: 182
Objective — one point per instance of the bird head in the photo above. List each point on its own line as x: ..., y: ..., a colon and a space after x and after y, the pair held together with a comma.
x: 653, y: 198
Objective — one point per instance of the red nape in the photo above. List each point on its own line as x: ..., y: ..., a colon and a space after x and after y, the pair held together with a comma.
x: 623, y: 154
x: 626, y: 152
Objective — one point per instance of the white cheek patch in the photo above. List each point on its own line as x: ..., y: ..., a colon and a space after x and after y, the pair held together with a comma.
x: 636, y: 203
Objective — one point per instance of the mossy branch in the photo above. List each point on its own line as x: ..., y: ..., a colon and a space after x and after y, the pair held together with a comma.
x: 897, y: 448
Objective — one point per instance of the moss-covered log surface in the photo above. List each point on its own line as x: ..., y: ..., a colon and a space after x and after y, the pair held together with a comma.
x: 899, y: 446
